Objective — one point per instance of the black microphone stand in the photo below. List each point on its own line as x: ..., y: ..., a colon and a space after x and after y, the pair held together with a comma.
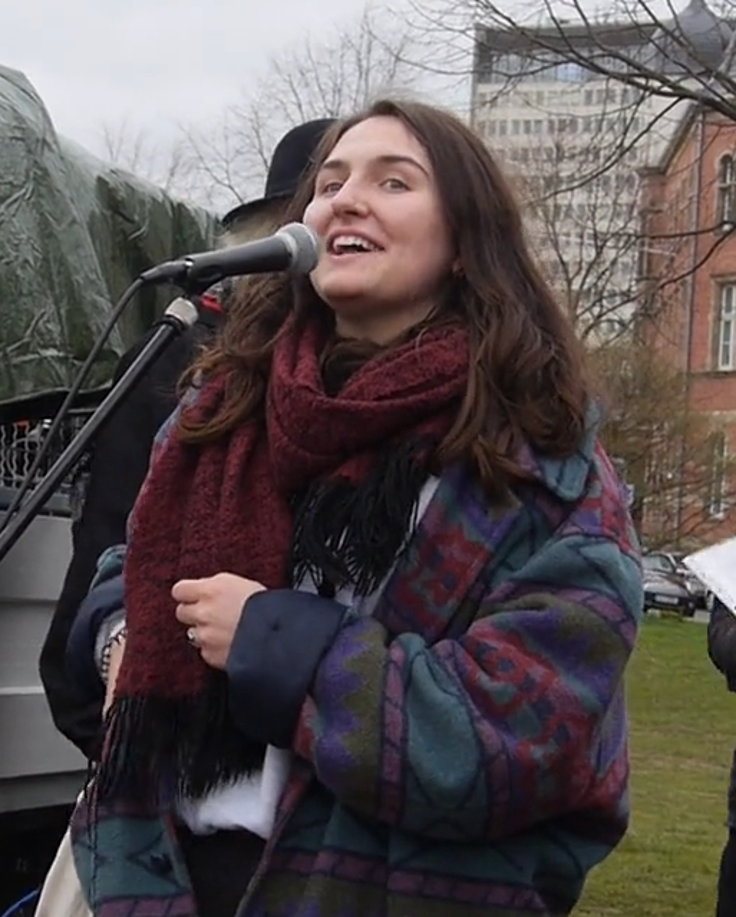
x: 180, y: 315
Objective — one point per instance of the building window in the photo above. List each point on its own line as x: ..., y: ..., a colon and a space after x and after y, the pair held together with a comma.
x: 717, y: 480
x: 503, y: 66
x: 570, y: 72
x: 726, y: 190
x: 726, y: 317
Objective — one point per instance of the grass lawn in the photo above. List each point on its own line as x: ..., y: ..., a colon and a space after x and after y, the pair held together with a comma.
x: 683, y: 730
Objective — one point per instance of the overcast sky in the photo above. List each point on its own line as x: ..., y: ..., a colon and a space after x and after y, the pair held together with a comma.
x: 150, y: 61
x: 161, y: 62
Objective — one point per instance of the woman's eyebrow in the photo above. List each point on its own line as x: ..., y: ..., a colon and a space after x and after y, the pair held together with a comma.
x: 340, y: 165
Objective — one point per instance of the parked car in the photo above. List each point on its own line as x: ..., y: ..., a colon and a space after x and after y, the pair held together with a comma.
x: 666, y: 585
x: 673, y: 562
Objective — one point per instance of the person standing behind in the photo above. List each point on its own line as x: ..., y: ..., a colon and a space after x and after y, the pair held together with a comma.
x: 722, y: 651
x: 121, y: 451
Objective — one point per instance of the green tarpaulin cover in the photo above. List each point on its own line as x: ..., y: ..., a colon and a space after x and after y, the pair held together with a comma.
x: 74, y: 232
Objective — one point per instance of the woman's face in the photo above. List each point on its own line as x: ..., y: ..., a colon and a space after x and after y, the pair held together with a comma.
x: 388, y: 251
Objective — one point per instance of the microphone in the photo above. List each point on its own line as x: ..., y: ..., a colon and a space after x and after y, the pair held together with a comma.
x: 294, y: 248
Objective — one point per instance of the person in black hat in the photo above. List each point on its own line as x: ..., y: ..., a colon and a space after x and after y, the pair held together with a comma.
x: 119, y: 458
x: 289, y: 160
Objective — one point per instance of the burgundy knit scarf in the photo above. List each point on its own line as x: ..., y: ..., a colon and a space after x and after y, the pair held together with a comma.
x: 325, y: 485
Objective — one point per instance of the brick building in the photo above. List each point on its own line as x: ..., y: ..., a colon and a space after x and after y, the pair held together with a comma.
x: 688, y: 295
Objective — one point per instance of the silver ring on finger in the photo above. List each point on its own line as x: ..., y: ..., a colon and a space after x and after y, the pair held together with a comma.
x: 192, y: 637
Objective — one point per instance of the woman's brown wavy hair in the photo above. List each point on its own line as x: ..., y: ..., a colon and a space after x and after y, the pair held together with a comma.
x: 526, y: 379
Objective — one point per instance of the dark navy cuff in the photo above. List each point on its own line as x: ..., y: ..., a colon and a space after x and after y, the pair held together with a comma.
x: 279, y: 643
x: 100, y: 602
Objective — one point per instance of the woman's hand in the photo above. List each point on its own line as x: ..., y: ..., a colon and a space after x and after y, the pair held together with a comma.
x: 210, y: 609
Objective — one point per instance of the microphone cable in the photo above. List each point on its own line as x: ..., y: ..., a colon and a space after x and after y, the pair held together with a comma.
x: 15, y: 910
x: 66, y: 405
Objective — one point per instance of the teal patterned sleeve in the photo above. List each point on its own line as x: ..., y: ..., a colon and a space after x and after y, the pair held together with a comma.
x: 518, y: 719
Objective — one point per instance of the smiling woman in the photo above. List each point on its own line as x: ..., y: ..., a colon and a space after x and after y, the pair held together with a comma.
x: 381, y: 585
x: 388, y: 248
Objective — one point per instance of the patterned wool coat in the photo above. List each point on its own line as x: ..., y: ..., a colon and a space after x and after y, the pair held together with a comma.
x: 461, y: 752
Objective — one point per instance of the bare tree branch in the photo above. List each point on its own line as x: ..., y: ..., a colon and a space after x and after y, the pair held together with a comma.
x: 225, y: 162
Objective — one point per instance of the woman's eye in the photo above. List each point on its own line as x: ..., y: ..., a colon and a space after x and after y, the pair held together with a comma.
x: 330, y: 187
x: 395, y: 184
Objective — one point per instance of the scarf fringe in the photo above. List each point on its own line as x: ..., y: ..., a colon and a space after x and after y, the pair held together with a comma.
x: 160, y: 749
x: 352, y: 533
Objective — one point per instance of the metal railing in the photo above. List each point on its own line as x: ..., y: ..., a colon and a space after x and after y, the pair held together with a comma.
x: 24, y: 428
x: 21, y: 440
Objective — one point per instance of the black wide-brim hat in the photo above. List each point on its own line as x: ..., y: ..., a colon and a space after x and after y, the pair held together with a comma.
x: 290, y: 160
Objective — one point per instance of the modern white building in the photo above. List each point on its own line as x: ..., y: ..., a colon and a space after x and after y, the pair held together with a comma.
x: 576, y: 140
